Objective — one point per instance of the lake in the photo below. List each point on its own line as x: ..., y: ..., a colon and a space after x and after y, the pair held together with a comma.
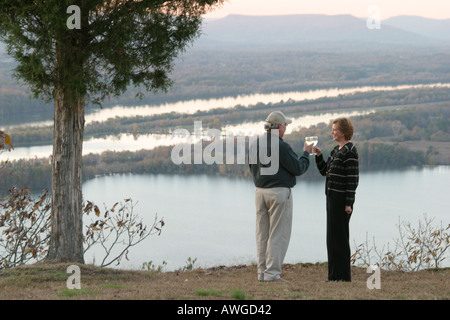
x: 212, y: 219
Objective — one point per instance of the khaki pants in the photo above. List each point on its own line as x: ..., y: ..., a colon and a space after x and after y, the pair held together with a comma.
x: 273, y: 229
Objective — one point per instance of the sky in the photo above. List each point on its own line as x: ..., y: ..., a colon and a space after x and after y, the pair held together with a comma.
x: 436, y: 9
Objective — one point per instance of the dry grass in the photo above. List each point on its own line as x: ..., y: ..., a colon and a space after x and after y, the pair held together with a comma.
x: 46, y: 281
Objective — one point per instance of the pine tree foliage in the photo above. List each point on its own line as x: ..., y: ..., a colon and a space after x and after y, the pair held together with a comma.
x: 119, y: 43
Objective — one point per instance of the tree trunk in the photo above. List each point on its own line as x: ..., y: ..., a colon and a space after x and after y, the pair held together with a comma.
x: 66, y: 242
x: 66, y: 238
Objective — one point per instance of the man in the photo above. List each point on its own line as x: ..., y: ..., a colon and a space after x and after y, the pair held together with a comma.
x: 273, y: 197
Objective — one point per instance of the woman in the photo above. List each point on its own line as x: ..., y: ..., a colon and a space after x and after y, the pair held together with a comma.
x: 342, y: 176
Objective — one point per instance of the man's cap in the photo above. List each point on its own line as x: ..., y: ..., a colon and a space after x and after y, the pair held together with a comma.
x: 277, y: 117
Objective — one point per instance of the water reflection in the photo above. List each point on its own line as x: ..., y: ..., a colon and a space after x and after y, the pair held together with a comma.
x: 129, y: 142
x: 193, y: 106
x: 251, y: 128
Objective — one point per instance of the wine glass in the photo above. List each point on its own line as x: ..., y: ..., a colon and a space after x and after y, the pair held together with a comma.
x: 312, y: 140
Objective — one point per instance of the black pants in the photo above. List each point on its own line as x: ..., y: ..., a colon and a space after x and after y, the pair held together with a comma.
x: 338, y: 246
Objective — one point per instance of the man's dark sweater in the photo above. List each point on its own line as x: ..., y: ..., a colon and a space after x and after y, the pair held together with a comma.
x: 290, y: 164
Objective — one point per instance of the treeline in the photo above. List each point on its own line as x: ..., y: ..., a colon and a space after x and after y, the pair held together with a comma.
x: 36, y: 173
x: 14, y: 105
x: 416, y: 123
x: 376, y: 137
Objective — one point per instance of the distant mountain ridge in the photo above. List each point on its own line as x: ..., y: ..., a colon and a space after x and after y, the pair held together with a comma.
x: 430, y: 28
x: 317, y: 28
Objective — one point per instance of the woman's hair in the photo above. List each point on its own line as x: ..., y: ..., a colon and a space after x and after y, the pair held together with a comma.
x: 345, y: 126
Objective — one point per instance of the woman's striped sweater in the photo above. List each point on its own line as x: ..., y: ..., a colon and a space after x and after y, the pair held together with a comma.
x: 342, y: 172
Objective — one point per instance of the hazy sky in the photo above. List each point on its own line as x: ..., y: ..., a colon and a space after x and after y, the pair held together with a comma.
x: 437, y: 9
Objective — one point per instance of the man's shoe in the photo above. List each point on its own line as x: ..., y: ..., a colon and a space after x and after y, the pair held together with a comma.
x: 278, y: 279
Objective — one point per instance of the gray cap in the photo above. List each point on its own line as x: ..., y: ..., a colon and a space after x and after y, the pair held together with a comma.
x: 277, y: 117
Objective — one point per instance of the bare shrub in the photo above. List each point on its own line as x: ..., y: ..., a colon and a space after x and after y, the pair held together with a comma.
x: 416, y: 248
x: 24, y: 226
x: 118, y: 225
x: 25, y: 229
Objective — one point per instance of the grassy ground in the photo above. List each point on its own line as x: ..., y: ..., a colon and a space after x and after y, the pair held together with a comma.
x: 45, y: 281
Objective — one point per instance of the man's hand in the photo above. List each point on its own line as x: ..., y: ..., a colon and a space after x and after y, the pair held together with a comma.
x: 307, y: 148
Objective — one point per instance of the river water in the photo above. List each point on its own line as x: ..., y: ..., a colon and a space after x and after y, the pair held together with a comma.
x: 129, y: 142
x: 212, y: 219
x: 192, y: 106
